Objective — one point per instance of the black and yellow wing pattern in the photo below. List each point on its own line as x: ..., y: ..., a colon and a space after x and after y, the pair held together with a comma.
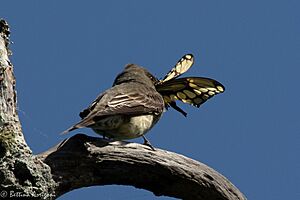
x: 191, y: 90
x: 181, y: 67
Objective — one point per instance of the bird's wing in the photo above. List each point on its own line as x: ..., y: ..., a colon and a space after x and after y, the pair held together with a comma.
x: 134, y: 102
x: 87, y: 111
x: 191, y: 90
x: 138, y: 100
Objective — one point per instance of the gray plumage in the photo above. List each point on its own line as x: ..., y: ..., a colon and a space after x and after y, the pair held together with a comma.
x: 127, y: 110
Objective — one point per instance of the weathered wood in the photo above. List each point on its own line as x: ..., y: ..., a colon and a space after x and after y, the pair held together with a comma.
x: 83, y: 161
x: 21, y: 174
x: 10, y: 126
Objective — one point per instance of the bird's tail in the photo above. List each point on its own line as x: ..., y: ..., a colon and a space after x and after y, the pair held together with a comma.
x: 84, y: 123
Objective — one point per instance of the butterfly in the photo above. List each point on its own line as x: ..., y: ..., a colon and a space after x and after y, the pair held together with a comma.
x: 191, y: 90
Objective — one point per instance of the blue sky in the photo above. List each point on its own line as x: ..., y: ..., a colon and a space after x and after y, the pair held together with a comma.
x: 65, y: 53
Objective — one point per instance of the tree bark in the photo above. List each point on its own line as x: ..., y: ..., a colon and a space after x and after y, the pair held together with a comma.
x: 83, y: 161
x: 22, y: 175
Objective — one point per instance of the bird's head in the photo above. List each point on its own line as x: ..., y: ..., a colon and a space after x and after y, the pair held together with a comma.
x: 135, y: 73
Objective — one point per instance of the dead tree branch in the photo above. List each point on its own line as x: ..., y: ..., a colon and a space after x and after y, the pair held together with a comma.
x: 83, y: 161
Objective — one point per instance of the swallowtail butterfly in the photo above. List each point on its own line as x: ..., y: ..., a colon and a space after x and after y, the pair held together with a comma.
x: 191, y: 90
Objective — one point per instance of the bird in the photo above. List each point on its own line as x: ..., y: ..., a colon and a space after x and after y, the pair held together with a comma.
x: 137, y: 100
x: 129, y: 109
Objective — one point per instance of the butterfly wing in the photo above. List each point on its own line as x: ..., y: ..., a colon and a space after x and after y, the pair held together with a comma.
x: 181, y: 67
x: 191, y: 90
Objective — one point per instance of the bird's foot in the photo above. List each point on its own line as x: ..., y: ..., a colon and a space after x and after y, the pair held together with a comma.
x: 147, y: 143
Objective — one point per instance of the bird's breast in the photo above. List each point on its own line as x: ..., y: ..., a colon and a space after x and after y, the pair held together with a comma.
x: 126, y: 127
x: 141, y: 124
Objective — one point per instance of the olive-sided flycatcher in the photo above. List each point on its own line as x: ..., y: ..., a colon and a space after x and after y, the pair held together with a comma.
x: 127, y: 110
